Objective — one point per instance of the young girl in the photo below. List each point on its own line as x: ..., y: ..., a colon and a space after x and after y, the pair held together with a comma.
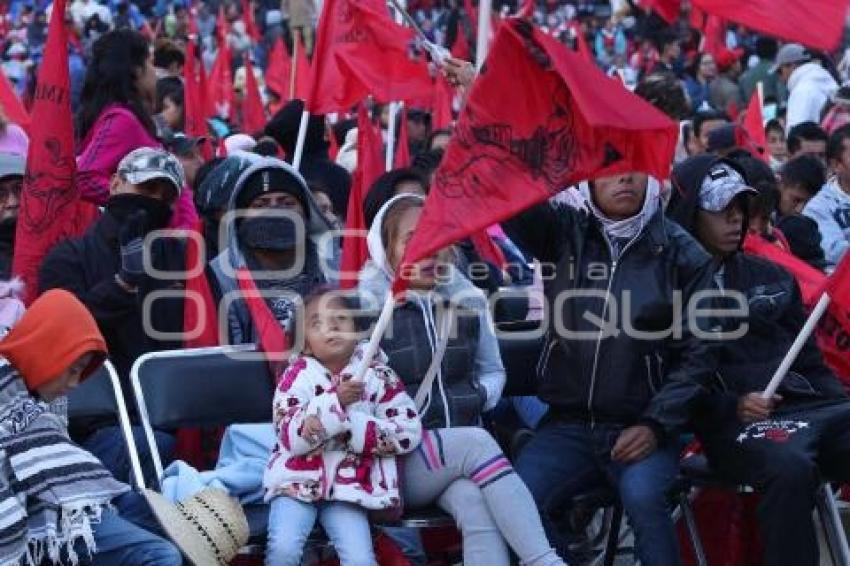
x: 337, y: 439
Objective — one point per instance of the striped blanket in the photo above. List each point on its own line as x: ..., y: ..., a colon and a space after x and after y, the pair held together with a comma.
x: 51, y: 491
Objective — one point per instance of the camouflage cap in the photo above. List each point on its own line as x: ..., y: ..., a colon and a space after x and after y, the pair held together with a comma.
x: 720, y: 185
x: 146, y: 164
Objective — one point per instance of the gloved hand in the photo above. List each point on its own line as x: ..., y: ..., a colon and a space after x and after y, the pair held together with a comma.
x: 131, y: 238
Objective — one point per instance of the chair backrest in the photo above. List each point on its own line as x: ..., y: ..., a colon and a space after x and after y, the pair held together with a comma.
x: 205, y: 387
x: 94, y: 397
x: 520, y: 347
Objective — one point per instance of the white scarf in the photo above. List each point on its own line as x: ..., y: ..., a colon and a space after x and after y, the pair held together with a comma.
x: 630, y: 227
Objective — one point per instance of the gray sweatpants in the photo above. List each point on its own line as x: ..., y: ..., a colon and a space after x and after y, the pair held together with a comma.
x: 466, y: 474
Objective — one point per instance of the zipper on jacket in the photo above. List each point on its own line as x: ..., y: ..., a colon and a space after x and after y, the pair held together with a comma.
x: 649, y: 374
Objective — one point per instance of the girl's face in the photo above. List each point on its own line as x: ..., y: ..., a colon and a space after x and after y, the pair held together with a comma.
x: 146, y: 82
x: 330, y: 334
x: 172, y: 114
x: 422, y: 275
x: 68, y: 380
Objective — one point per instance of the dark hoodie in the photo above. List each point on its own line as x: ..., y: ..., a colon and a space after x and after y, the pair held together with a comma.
x: 775, y: 317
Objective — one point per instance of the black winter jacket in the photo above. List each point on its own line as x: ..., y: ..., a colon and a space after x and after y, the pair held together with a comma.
x: 618, y: 378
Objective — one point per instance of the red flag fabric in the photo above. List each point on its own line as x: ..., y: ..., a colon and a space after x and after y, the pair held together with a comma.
x: 250, y: 23
x: 810, y: 280
x: 526, y: 10
x: 581, y: 42
x: 333, y: 145
x: 754, y: 139
x: 51, y: 209
x: 193, y: 26
x: 713, y: 35
x: 199, y: 311
x: 402, y: 146
x: 222, y: 27
x: 370, y: 166
x: 668, y: 10
x: 460, y: 47
x: 792, y: 20
x: 303, y: 72
x: 271, y: 338
x: 443, y: 98
x: 487, y: 249
x: 279, y: 70
x: 193, y: 112
x: 11, y: 105
x: 253, y: 113
x: 515, y: 148
x: 220, y: 101
x: 472, y: 13
x: 360, y: 50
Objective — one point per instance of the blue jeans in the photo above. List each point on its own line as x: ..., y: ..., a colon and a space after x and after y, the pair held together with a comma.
x: 564, y: 460
x: 129, y: 537
x: 291, y: 521
x: 107, y: 445
x: 409, y: 542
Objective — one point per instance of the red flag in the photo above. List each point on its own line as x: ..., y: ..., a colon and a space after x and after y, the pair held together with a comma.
x: 526, y: 10
x: 220, y: 93
x: 360, y: 50
x: 333, y: 145
x: 253, y: 114
x: 193, y: 26
x: 50, y: 209
x: 402, y: 149
x: 713, y: 35
x: 515, y: 148
x: 303, y: 72
x: 370, y: 166
x: 271, y: 338
x: 581, y: 42
x: 443, y: 98
x: 11, y: 106
x: 754, y: 139
x: 810, y: 280
x: 817, y: 25
x: 668, y: 10
x: 199, y: 311
x: 460, y: 48
x: 279, y: 70
x: 250, y: 23
x: 472, y: 13
x: 222, y: 27
x: 193, y: 112
x: 696, y: 18
x: 487, y: 249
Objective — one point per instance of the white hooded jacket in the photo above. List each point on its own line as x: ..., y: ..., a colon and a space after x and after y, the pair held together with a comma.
x: 810, y: 87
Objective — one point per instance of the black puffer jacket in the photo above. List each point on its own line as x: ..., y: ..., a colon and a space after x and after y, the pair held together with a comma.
x: 620, y: 378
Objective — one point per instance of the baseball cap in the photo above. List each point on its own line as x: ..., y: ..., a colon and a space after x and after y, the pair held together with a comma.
x: 720, y: 185
x: 727, y: 57
x: 12, y: 165
x: 147, y: 164
x: 179, y: 143
x: 722, y: 138
x: 791, y: 53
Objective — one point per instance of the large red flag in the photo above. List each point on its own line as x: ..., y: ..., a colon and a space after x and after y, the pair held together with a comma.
x: 444, y: 95
x: 713, y: 35
x: 253, y: 113
x: 460, y: 47
x: 360, y: 50
x: 815, y: 24
x: 51, y: 209
x: 222, y: 27
x: 754, y: 139
x: 402, y: 145
x: 303, y: 72
x: 11, y: 105
x: 370, y: 166
x: 582, y: 47
x: 193, y: 111
x: 250, y: 23
x: 279, y: 70
x: 514, y: 148
x: 220, y: 93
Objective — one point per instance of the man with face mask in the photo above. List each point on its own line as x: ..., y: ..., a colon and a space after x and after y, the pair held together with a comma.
x: 12, y: 168
x: 105, y: 269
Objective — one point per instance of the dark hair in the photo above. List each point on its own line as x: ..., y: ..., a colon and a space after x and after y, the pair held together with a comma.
x: 665, y: 92
x: 350, y: 302
x: 111, y: 79
x: 835, y: 145
x: 766, y: 48
x: 284, y: 125
x: 704, y: 116
x: 267, y: 147
x: 666, y: 38
x: 384, y: 188
x: 693, y: 69
x: 759, y: 176
x: 340, y: 129
x: 426, y: 163
x: 166, y: 53
x: 805, y: 172
x: 202, y: 173
x: 808, y: 131
x: 171, y: 88
x: 774, y: 125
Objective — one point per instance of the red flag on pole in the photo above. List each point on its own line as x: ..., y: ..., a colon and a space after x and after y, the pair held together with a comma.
x: 817, y: 25
x: 253, y: 113
x: 581, y: 42
x: 472, y: 13
x: 193, y: 112
x: 370, y: 166
x: 199, y: 314
x: 193, y: 26
x: 278, y: 71
x: 443, y: 98
x: 460, y: 47
x: 754, y: 138
x: 303, y: 72
x: 250, y: 23
x: 360, y: 50
x: 402, y: 152
x: 714, y: 36
x: 668, y: 10
x: 12, y: 107
x: 515, y: 148
x: 51, y: 209
x: 220, y: 95
x: 222, y: 27
x: 526, y: 10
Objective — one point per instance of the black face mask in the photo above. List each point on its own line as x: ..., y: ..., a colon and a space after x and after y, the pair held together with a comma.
x: 265, y: 233
x: 122, y: 206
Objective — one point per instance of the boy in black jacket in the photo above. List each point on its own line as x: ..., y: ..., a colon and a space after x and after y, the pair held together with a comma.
x: 781, y: 446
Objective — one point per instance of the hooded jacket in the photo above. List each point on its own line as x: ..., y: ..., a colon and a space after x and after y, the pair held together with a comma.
x: 810, y: 87
x: 775, y: 317
x: 830, y: 209
x: 629, y: 365
x: 233, y: 257
x: 471, y: 376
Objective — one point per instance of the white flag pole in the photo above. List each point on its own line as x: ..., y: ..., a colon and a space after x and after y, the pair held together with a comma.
x: 485, y: 11
x: 394, y: 106
x: 796, y: 346
x: 377, y: 333
x: 299, y: 143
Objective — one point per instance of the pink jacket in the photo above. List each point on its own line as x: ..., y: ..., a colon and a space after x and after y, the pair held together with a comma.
x: 116, y: 133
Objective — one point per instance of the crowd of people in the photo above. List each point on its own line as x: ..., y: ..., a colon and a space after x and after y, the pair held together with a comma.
x: 423, y: 422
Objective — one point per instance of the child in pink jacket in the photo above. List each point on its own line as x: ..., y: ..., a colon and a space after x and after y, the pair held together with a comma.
x: 337, y: 439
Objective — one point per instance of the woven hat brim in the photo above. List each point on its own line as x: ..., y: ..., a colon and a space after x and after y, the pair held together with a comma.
x: 180, y: 530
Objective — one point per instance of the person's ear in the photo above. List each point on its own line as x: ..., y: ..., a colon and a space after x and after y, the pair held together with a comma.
x: 115, y: 184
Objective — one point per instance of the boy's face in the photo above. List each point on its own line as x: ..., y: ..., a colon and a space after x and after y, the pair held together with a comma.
x: 792, y: 199
x: 720, y: 232
x: 330, y: 334
x: 68, y: 380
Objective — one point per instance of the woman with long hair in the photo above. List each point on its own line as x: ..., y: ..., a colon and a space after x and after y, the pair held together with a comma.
x: 118, y: 100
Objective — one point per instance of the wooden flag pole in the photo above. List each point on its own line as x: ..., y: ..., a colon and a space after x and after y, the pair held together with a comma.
x: 293, y: 69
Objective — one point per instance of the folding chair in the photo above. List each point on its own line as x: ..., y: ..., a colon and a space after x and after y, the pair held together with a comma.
x: 101, y: 396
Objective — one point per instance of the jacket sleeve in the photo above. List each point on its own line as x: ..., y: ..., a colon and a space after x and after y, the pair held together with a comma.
x: 833, y: 241
x: 63, y: 269
x: 489, y: 370
x: 295, y: 400
x: 691, y: 361
x: 540, y: 230
x: 393, y: 427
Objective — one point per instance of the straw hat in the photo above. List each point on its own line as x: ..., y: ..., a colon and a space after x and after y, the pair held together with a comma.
x: 209, y: 528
